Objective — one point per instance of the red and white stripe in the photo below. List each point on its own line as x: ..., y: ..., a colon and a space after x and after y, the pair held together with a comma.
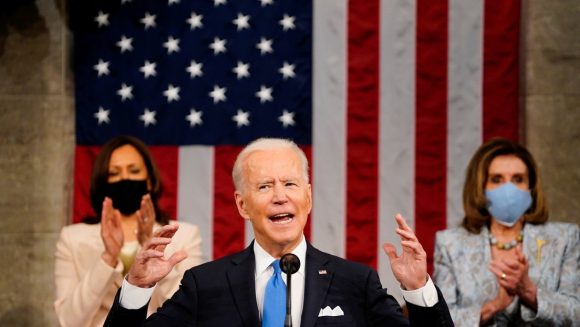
x: 404, y: 92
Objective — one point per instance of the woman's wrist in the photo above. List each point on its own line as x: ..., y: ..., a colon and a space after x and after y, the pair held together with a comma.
x: 528, y: 295
x: 494, y: 306
x: 109, y: 259
x: 497, y: 305
x: 488, y: 310
x: 143, y: 238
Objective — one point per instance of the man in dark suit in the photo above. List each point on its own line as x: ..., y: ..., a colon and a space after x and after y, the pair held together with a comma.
x: 273, y: 193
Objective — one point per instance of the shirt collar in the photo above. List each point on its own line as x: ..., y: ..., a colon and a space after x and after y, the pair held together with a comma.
x: 264, y: 259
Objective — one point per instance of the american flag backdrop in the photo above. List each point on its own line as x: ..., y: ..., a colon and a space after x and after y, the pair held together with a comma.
x: 388, y: 98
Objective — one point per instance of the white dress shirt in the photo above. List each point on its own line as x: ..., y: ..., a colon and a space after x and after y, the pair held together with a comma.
x: 264, y: 271
x: 133, y: 297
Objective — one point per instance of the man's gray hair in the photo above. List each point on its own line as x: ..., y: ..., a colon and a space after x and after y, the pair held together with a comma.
x: 266, y: 144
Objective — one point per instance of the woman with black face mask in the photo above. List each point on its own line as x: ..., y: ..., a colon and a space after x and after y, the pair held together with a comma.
x: 92, y: 257
x: 507, y: 265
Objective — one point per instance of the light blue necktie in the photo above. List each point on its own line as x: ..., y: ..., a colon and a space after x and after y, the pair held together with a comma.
x: 274, y: 299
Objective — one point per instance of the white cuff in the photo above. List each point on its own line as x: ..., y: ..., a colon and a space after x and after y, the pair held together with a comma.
x: 133, y: 297
x: 425, y: 296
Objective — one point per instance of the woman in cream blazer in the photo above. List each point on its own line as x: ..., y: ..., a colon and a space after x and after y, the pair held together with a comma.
x: 93, y: 257
x: 86, y: 285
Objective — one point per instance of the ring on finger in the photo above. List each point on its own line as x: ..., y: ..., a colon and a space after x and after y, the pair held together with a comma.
x: 503, y: 276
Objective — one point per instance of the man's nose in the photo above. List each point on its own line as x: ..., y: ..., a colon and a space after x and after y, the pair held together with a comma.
x: 280, y: 194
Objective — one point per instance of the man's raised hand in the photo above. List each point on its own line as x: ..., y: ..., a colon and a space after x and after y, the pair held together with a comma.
x: 150, y: 265
x: 409, y: 268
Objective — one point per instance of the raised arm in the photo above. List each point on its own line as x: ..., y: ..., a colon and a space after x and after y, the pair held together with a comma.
x: 79, y: 297
x: 149, y: 268
x: 410, y: 268
x: 426, y: 305
x: 150, y: 265
x: 188, y: 239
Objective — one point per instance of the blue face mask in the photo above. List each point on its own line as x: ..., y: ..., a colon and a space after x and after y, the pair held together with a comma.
x: 508, y: 203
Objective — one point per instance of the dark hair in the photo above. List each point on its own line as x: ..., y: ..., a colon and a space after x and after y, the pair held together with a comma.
x: 474, y: 200
x: 100, y: 176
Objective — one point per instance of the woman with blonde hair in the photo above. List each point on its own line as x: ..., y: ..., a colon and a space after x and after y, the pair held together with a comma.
x: 506, y: 265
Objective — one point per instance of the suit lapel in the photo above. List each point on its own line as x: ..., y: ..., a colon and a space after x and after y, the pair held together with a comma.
x: 535, y: 248
x: 242, y: 273
x: 316, y: 284
x: 484, y: 278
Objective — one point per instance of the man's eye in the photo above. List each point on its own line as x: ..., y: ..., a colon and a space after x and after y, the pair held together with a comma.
x: 263, y: 188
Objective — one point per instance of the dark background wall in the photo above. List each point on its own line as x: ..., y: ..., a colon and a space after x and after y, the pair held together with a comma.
x: 37, y: 136
x: 551, y: 99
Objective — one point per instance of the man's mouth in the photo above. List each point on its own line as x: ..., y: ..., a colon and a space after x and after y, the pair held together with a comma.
x: 282, y: 218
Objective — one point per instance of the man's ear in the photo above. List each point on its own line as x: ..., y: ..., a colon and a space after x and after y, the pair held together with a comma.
x: 309, y: 194
x: 241, y: 205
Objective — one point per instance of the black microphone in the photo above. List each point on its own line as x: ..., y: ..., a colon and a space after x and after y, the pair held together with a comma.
x: 289, y: 263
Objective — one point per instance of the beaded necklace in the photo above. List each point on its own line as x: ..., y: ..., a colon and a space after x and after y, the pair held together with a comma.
x: 506, y: 246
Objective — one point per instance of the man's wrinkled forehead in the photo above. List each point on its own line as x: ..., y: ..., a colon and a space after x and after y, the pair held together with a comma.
x: 282, y: 163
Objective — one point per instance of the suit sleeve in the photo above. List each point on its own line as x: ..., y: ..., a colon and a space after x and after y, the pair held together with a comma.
x: 179, y: 310
x: 384, y: 310
x: 78, y: 298
x: 562, y: 306
x: 119, y: 316
x: 438, y: 315
x: 445, y: 277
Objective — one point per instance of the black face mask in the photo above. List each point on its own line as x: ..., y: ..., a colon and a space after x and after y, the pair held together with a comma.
x: 126, y: 194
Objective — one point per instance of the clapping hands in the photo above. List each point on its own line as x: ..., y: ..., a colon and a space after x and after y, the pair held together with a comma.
x: 512, y: 274
x: 145, y: 219
x: 112, y: 232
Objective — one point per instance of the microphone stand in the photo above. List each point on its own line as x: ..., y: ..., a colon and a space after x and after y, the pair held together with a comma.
x: 288, y: 319
x: 289, y: 263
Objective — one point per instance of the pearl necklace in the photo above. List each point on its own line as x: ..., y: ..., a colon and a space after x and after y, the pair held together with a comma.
x: 506, y: 246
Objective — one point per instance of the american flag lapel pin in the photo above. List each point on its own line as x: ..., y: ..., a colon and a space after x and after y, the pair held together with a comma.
x: 322, y: 272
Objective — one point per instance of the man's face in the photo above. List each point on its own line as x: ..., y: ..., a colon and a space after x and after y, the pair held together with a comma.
x: 276, y: 198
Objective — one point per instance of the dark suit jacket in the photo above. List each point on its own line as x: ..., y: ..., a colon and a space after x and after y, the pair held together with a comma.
x: 222, y: 293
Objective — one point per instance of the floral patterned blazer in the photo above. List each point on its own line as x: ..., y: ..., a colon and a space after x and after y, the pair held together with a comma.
x: 553, y: 253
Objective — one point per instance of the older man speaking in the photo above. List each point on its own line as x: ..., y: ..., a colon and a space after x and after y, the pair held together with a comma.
x: 248, y: 288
